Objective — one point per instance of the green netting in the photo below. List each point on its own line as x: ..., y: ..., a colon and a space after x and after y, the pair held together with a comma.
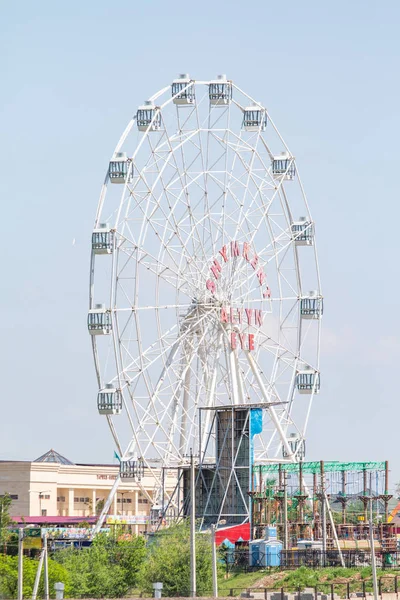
x: 315, y: 467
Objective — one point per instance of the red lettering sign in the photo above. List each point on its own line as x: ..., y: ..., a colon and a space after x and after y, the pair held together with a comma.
x: 241, y: 338
x: 249, y: 313
x: 235, y: 251
x: 251, y: 342
x: 216, y: 268
x: 254, y: 262
x: 233, y: 340
x: 246, y: 250
x: 223, y: 253
x: 267, y: 293
x: 261, y: 275
x: 210, y: 285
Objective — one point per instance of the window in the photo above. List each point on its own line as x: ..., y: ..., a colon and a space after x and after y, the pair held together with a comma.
x: 47, y: 497
x: 143, y: 501
x: 83, y: 500
x: 44, y: 512
x: 60, y: 498
x: 14, y: 496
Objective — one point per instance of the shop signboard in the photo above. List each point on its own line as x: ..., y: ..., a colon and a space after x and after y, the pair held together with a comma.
x: 127, y: 519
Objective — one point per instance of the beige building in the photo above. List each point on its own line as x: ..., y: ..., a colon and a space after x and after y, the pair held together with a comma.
x: 53, y: 486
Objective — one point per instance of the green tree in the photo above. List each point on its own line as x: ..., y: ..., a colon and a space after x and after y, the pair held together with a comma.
x: 91, y: 574
x: 168, y: 561
x: 5, y: 520
x: 129, y: 555
x: 99, y: 506
x: 9, y: 576
x: 106, y: 569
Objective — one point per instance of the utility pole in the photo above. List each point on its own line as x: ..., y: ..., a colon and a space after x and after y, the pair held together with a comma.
x: 20, y: 561
x: 38, y: 573
x: 285, y: 515
x: 371, y: 538
x: 214, y: 562
x: 46, y: 569
x: 323, y: 512
x: 192, y: 529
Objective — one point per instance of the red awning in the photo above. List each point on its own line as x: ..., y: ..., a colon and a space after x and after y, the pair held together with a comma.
x: 234, y: 533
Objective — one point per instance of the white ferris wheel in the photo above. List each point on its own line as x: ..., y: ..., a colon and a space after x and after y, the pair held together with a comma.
x: 204, y: 282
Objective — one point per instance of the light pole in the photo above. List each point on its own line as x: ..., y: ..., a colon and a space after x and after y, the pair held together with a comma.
x: 214, y: 561
x: 192, y: 528
x: 371, y: 538
x: 214, y: 556
x: 40, y: 497
x: 40, y: 500
x: 122, y: 501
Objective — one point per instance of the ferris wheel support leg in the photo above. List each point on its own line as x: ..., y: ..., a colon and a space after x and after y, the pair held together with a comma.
x: 185, y: 406
x: 183, y: 382
x: 234, y: 376
x: 211, y: 392
x: 242, y: 393
x: 271, y: 409
x: 106, y: 507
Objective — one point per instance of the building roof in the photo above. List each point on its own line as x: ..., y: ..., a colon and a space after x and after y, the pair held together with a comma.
x: 60, y: 521
x: 53, y: 457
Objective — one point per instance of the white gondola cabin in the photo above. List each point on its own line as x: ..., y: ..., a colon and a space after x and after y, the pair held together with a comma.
x: 183, y: 91
x: 102, y: 239
x: 131, y: 469
x: 119, y: 169
x: 99, y: 320
x: 312, y: 306
x: 220, y: 91
x: 283, y: 166
x: 308, y: 381
x: 297, y: 445
x: 254, y: 118
x: 148, y: 117
x: 109, y: 400
x: 303, y: 232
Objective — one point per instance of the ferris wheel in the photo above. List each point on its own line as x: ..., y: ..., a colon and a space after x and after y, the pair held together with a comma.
x: 204, y: 280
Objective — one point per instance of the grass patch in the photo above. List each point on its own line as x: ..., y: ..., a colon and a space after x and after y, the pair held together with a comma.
x: 306, y: 578
x: 239, y: 580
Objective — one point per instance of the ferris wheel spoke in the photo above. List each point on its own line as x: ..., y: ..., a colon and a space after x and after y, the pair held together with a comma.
x: 267, y: 398
x: 182, y: 178
x: 174, y: 379
x: 170, y: 232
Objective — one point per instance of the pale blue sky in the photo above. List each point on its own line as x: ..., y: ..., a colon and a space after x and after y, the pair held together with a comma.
x: 73, y: 75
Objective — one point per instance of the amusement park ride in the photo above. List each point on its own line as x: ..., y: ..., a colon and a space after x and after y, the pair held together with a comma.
x: 205, y: 332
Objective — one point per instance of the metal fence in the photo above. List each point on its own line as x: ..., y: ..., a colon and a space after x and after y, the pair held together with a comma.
x: 241, y: 560
x: 293, y: 559
x: 325, y: 591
